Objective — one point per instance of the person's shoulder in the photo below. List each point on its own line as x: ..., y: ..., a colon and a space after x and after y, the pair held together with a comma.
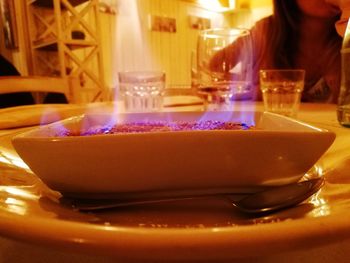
x: 263, y: 24
x: 261, y: 28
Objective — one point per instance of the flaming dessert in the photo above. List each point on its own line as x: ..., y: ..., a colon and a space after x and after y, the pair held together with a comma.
x: 143, y: 127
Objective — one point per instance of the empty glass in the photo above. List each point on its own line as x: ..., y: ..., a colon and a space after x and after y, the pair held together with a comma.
x: 224, y: 64
x: 142, y: 91
x: 281, y: 90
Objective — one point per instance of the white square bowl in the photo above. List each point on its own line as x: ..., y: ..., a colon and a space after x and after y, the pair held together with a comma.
x: 280, y: 150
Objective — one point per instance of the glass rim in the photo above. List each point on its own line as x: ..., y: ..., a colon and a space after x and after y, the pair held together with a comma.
x: 225, y: 31
x: 282, y: 70
x: 141, y: 76
x: 291, y: 73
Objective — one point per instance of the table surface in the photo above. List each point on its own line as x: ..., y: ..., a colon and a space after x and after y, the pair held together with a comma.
x: 335, y: 162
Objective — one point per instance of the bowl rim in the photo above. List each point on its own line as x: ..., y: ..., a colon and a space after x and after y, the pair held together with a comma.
x: 51, y: 128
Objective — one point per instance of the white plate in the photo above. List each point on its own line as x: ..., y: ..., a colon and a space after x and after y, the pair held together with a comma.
x: 189, y: 231
x: 281, y: 150
x: 209, y: 231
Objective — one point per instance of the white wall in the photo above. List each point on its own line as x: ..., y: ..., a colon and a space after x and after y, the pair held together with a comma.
x: 258, y: 13
x: 139, y: 48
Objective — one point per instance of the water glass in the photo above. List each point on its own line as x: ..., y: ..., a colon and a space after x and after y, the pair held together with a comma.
x: 194, y: 70
x: 281, y: 90
x: 343, y: 109
x: 142, y: 91
x: 224, y: 66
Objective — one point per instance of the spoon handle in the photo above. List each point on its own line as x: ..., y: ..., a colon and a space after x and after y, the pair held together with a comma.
x: 272, y: 199
x: 103, y: 204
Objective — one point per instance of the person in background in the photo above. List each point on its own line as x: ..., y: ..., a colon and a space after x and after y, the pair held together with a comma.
x: 12, y: 99
x: 300, y: 34
x: 344, y: 6
x: 22, y: 98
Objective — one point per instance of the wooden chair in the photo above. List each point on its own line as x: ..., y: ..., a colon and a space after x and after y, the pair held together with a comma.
x: 69, y: 86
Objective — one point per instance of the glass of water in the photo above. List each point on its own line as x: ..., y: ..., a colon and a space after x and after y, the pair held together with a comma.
x: 142, y: 91
x: 281, y: 90
x: 224, y: 67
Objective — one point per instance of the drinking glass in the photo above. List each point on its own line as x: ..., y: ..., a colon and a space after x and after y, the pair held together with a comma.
x: 281, y: 90
x: 224, y: 64
x: 142, y: 91
x: 194, y: 70
x: 343, y: 109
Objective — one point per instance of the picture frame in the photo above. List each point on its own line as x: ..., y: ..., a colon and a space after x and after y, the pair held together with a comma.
x: 199, y: 23
x: 9, y: 24
x: 163, y: 24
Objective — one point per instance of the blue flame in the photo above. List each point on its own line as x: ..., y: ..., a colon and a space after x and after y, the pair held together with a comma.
x: 247, y: 118
x: 51, y: 115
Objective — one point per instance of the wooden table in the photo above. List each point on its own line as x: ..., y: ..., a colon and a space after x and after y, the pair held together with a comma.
x: 326, y: 230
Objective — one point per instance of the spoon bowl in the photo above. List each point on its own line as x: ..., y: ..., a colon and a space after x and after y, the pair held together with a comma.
x: 269, y: 200
x: 279, y: 197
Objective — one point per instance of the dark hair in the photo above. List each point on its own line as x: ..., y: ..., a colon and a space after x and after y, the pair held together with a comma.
x: 285, y: 33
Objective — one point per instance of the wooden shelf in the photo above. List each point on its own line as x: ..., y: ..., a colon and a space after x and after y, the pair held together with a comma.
x: 49, y: 3
x: 55, y: 48
x: 53, y: 44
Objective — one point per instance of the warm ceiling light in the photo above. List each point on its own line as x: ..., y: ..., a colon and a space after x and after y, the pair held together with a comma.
x: 217, y: 5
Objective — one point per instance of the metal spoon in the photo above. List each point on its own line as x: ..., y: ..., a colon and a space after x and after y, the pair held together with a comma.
x: 271, y: 199
x: 279, y: 197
